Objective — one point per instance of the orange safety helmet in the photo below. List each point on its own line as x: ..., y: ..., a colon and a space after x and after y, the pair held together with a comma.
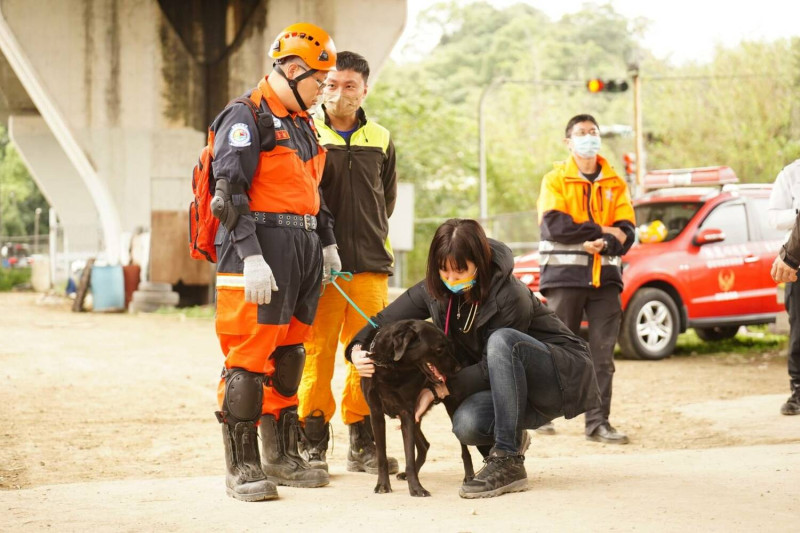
x: 310, y: 43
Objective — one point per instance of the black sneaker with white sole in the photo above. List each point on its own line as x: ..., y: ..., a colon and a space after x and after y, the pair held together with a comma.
x: 503, y: 473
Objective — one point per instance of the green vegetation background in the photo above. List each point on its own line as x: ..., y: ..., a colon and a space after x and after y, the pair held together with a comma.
x: 740, y: 109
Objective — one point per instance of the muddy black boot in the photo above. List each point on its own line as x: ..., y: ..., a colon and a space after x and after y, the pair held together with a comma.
x: 314, y: 439
x: 280, y: 460
x: 244, y: 479
x: 362, y: 457
x: 504, y: 472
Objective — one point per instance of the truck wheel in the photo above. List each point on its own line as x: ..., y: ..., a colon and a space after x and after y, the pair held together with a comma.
x: 718, y: 333
x: 650, y: 326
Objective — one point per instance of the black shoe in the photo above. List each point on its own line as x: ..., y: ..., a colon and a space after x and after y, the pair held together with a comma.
x: 244, y: 479
x: 792, y: 405
x: 525, y: 442
x: 503, y: 473
x: 606, y: 433
x: 546, y: 429
x: 362, y: 455
x: 280, y: 460
x: 313, y: 442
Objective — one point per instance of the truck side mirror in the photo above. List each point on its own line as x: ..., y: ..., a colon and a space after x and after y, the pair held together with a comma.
x: 708, y: 235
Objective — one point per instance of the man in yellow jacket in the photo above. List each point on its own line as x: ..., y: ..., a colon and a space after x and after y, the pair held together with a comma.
x: 586, y: 224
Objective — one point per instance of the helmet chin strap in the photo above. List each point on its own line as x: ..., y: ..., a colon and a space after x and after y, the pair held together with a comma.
x: 293, y: 83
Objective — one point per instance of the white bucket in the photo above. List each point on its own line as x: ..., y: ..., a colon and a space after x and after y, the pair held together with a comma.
x: 40, y: 273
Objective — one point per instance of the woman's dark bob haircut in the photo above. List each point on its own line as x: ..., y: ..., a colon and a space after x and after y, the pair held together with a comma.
x: 456, y: 242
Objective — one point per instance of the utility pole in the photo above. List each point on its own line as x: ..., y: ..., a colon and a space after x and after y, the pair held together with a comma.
x: 482, y: 193
x: 496, y: 82
x: 637, y: 126
x: 36, y: 215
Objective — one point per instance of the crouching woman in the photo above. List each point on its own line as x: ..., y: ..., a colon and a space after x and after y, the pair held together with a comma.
x: 522, y: 367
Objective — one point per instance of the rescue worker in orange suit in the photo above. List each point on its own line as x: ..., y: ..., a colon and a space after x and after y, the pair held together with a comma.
x: 274, y: 246
x: 586, y: 223
x: 360, y: 188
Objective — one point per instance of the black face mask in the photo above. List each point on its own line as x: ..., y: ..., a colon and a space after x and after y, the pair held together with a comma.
x: 293, y: 83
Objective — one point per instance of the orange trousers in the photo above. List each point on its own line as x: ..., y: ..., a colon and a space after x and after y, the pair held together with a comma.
x: 247, y: 344
x: 338, y: 322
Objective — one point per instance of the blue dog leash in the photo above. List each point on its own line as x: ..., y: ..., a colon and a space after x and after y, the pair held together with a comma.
x: 348, y: 276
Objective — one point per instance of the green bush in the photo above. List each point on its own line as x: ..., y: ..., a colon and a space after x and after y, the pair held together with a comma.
x: 14, y: 277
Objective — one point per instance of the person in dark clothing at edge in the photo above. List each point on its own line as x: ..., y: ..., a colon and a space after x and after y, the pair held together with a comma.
x: 522, y: 366
x: 586, y: 222
x: 275, y: 243
x: 360, y: 189
x: 784, y: 205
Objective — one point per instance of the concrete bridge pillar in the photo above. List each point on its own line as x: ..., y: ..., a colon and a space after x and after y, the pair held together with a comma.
x: 109, y: 101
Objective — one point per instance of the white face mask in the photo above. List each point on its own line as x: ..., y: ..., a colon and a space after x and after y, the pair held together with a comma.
x: 339, y: 105
x: 586, y: 146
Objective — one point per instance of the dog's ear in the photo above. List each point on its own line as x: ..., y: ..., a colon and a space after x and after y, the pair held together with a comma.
x: 402, y: 340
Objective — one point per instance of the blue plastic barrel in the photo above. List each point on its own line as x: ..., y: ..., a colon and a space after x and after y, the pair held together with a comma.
x: 108, y: 288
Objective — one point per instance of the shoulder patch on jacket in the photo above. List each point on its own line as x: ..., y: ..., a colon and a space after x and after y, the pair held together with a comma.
x: 239, y: 136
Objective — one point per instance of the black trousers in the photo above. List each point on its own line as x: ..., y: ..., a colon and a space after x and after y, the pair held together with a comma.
x: 792, y: 302
x: 604, y: 312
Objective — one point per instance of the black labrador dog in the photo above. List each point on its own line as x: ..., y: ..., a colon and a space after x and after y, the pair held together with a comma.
x: 409, y: 355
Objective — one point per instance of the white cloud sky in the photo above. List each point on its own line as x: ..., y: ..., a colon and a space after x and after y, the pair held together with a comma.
x: 682, y: 30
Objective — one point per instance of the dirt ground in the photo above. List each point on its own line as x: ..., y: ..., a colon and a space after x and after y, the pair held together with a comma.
x: 97, y: 397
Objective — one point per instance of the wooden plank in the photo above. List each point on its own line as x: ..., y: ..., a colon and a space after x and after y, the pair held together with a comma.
x: 170, y: 261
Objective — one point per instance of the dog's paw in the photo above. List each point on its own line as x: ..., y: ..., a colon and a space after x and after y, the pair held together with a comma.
x: 418, y: 491
x: 467, y: 479
x: 401, y: 476
x: 382, y: 488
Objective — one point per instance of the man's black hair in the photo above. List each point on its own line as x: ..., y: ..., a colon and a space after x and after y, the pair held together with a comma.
x: 577, y: 119
x: 353, y: 61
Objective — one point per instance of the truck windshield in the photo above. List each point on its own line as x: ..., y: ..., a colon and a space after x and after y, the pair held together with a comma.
x: 675, y: 216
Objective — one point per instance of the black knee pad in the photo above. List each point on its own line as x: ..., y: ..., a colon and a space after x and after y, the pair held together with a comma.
x: 289, y: 362
x: 243, y: 394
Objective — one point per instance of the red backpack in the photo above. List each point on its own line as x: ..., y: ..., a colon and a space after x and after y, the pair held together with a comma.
x: 202, y: 224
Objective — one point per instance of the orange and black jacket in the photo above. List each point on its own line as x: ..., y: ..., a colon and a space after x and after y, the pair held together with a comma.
x: 283, y: 179
x: 572, y: 210
x: 360, y: 189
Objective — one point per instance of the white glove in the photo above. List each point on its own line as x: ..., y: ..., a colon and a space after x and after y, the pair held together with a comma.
x: 330, y: 261
x: 259, y: 282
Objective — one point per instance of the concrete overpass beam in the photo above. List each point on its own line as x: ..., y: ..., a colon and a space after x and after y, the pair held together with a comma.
x: 59, y: 181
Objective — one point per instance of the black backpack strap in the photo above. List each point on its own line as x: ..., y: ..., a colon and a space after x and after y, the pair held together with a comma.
x: 264, y: 123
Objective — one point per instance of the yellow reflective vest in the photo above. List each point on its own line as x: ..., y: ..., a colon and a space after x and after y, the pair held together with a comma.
x: 572, y: 210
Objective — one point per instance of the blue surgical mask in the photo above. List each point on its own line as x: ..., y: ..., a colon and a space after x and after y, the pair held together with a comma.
x: 460, y: 286
x: 586, y: 145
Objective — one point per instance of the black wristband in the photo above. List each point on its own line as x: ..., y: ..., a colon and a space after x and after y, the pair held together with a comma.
x: 436, y: 398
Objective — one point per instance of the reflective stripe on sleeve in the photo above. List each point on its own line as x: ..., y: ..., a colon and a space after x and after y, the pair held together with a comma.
x: 235, y: 281
x: 564, y: 259
x: 551, y: 246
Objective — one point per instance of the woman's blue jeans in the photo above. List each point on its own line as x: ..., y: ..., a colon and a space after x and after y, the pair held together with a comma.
x: 524, y: 394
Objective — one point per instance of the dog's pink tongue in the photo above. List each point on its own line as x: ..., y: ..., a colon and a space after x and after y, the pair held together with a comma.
x: 436, y: 373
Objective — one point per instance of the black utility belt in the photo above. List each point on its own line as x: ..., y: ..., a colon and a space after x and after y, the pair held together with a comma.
x: 286, y: 220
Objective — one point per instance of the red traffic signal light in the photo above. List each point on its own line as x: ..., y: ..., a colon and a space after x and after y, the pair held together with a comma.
x: 630, y: 163
x: 596, y: 85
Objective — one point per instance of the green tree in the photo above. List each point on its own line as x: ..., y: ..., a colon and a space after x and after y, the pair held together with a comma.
x: 19, y: 195
x: 739, y: 110
x: 431, y: 106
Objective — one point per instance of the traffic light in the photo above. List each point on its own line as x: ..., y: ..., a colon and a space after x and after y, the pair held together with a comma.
x: 596, y: 85
x: 630, y: 163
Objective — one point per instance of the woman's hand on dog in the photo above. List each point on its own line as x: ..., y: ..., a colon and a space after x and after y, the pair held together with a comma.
x: 426, y: 398
x: 360, y: 359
